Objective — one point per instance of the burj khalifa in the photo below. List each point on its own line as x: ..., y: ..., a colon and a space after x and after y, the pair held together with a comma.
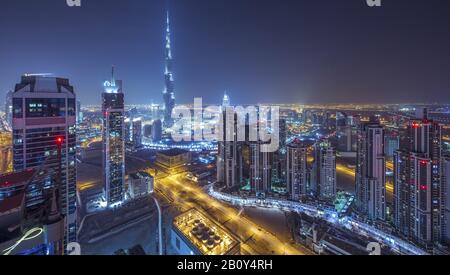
x: 169, y: 91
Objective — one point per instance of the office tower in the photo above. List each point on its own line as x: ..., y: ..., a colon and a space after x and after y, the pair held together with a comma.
x: 418, y: 183
x: 44, y: 121
x: 79, y: 113
x: 169, y: 92
x: 341, y: 119
x: 260, y: 169
x: 392, y: 143
x: 156, y: 130
x: 279, y: 157
x: 346, y: 133
x: 133, y: 133
x: 230, y: 161
x: 225, y: 101
x: 371, y: 171
x: 297, y: 169
x: 128, y: 131
x: 8, y: 107
x: 113, y: 142
x: 446, y: 216
x: 137, y: 133
x: 147, y: 131
x: 323, y: 179
x: 343, y: 133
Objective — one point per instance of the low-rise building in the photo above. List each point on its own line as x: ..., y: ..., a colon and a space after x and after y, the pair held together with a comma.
x: 173, y: 161
x: 140, y: 184
x: 197, y: 233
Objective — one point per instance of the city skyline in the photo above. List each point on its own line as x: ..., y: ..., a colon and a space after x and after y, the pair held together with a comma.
x: 250, y: 127
x: 301, y: 54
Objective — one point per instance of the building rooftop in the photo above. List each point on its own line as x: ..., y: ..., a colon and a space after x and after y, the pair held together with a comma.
x: 11, y: 205
x: 173, y: 152
x: 140, y: 175
x: 46, y: 83
x: 14, y: 179
x: 208, y: 236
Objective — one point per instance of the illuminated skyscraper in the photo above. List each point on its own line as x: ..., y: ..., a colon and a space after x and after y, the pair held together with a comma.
x: 8, y: 107
x: 225, y: 101
x: 156, y: 131
x: 446, y: 181
x: 323, y: 178
x: 113, y: 141
x: 44, y: 119
x: 371, y: 171
x: 279, y: 157
x: 133, y: 133
x: 79, y: 113
x: 419, y: 188
x: 169, y: 92
x: 230, y: 154
x: 297, y: 170
x: 260, y: 169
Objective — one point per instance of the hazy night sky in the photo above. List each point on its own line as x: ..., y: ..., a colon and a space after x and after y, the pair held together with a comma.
x: 281, y: 51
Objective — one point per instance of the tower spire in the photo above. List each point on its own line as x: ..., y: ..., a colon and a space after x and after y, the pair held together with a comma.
x: 169, y: 91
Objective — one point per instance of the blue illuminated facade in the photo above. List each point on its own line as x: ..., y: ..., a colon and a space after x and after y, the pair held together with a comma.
x: 113, y: 135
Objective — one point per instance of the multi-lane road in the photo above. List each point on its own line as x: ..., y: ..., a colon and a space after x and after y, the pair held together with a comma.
x: 254, y: 239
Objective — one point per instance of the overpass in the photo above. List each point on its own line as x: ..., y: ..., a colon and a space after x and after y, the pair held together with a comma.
x: 328, y: 214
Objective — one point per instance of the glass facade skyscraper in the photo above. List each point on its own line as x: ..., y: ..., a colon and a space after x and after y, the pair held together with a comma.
x: 113, y: 136
x: 419, y: 189
x: 44, y: 117
x: 370, y: 190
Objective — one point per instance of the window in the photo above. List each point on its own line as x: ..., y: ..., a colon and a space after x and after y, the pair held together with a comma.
x: 45, y: 107
x: 71, y: 109
x: 17, y: 108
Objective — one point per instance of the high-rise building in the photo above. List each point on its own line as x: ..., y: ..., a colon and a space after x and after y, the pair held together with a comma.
x: 44, y: 121
x: 79, y: 113
x: 419, y: 190
x: 169, y: 92
x: 297, y: 169
x: 323, y: 178
x: 147, y: 129
x: 156, y: 130
x: 230, y: 161
x: 279, y: 157
x: 346, y: 133
x: 371, y: 171
x: 392, y: 143
x: 137, y: 132
x: 113, y: 142
x: 260, y: 169
x: 226, y: 101
x: 446, y: 220
x: 133, y: 133
x: 8, y: 107
x: 344, y: 137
